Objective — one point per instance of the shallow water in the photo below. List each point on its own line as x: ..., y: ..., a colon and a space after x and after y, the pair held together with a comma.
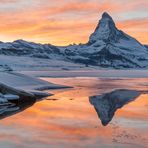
x: 67, y: 119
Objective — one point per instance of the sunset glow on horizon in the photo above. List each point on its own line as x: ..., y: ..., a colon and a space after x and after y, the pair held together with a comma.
x: 63, y: 22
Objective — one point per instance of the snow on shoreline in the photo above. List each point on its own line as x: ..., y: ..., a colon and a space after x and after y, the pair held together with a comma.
x: 31, y: 63
x: 90, y: 73
x: 15, y: 86
x: 8, y: 93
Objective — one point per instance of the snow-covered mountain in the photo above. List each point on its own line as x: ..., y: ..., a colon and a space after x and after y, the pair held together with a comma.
x: 24, y: 48
x: 107, y: 47
x: 110, y: 47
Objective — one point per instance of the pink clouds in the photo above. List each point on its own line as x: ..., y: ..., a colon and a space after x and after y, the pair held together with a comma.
x: 43, y: 21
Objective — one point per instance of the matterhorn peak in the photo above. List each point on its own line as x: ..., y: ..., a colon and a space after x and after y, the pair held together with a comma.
x: 106, y: 15
x: 107, y: 19
x: 106, y: 29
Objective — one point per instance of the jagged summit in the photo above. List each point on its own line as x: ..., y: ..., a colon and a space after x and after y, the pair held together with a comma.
x: 106, y: 15
x: 107, y: 19
x: 106, y: 29
x: 107, y: 32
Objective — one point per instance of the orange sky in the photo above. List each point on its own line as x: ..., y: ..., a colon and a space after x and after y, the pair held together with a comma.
x: 69, y: 21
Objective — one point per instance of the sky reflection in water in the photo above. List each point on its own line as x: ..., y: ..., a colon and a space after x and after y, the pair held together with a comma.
x: 69, y: 120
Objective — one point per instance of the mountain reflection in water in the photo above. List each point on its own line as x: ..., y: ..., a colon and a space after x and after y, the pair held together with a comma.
x: 107, y: 104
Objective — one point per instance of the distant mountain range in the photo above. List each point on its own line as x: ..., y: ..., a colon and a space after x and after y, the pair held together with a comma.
x: 107, y: 47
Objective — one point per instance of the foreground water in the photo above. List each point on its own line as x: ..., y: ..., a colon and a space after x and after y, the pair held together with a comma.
x: 68, y: 119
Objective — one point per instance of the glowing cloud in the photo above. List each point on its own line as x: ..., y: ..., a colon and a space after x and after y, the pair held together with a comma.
x: 64, y: 21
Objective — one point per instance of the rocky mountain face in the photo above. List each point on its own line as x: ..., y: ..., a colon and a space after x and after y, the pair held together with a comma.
x: 107, y: 47
x: 146, y: 46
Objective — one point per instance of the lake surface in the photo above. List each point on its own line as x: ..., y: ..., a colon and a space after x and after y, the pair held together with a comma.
x: 69, y: 119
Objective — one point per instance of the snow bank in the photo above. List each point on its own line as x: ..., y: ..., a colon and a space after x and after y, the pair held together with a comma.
x: 18, y: 63
x: 15, y: 86
x: 8, y: 93
x: 24, y: 82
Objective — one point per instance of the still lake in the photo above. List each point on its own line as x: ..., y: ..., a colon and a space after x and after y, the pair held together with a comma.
x: 69, y: 118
